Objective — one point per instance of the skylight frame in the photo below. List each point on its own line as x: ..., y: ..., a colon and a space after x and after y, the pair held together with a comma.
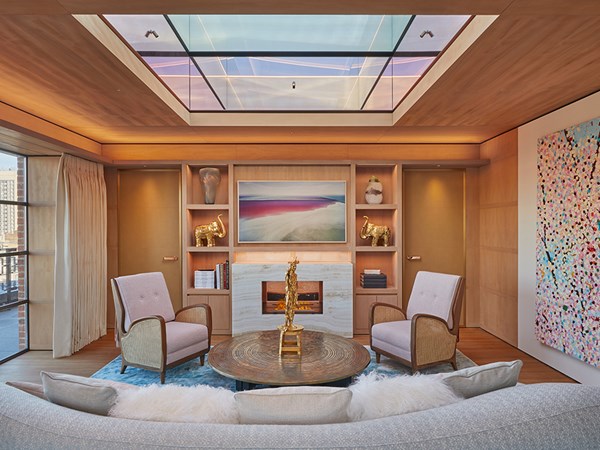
x: 389, y: 55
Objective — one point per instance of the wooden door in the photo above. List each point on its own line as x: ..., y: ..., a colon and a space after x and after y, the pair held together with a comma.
x: 434, y: 224
x: 149, y: 223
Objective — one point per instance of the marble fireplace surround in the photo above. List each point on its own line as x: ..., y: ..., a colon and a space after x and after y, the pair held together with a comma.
x: 246, y: 297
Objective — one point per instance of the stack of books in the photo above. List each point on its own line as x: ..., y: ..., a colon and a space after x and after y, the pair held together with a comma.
x: 222, y: 275
x: 204, y: 279
x: 373, y: 278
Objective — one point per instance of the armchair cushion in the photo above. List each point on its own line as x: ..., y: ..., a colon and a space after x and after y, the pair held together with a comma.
x: 184, y: 339
x: 432, y: 293
x: 393, y: 337
x: 147, y: 295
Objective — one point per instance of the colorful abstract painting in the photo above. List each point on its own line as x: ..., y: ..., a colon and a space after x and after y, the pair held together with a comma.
x: 568, y: 241
x: 292, y: 211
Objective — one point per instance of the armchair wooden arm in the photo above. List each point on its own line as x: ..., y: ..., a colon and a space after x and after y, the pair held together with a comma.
x: 146, y: 342
x: 431, y: 341
x: 200, y: 313
x: 384, y: 312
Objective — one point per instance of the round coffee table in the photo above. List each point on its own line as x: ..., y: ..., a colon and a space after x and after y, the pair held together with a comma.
x: 253, y: 358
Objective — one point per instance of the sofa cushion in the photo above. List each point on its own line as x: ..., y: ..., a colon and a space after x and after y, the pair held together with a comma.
x: 375, y: 395
x: 84, y: 394
x: 294, y: 405
x: 31, y: 388
x: 478, y: 380
x: 172, y: 403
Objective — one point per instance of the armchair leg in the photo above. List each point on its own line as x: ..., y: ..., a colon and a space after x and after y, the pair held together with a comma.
x: 201, y: 360
x: 123, y: 367
x: 162, y: 376
x: 453, y: 362
x: 377, y: 358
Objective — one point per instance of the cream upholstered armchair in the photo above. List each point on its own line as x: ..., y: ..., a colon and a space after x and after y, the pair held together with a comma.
x: 151, y: 334
x: 427, y: 334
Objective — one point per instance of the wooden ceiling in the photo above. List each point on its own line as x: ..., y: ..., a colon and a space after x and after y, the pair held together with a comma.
x: 537, y: 56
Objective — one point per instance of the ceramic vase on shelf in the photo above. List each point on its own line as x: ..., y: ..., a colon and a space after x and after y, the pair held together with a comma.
x: 210, y: 177
x: 374, y: 191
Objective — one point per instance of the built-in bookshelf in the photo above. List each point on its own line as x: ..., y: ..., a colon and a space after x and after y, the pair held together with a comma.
x: 384, y: 259
x: 197, y: 212
x: 357, y: 251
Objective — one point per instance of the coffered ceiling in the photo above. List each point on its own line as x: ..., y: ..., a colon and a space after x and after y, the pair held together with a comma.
x: 537, y: 56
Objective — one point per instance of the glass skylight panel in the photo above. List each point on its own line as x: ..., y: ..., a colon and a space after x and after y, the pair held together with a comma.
x: 399, y: 76
x: 292, y: 79
x: 288, y: 63
x: 285, y: 33
x: 175, y: 73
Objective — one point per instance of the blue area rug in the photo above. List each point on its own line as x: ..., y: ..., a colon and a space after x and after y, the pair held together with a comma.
x: 192, y: 373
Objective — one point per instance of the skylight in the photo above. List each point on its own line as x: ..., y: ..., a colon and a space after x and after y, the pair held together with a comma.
x: 288, y: 63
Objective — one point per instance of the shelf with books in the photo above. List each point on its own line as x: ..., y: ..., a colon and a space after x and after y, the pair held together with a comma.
x: 386, y: 260
x: 205, y: 277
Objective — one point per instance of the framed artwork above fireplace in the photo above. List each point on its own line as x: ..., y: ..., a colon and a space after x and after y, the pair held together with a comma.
x: 292, y: 211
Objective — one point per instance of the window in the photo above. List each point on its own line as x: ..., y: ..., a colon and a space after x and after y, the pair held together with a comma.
x: 14, y: 307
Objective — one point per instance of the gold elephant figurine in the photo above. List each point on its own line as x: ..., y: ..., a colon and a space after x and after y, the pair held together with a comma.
x: 209, y: 231
x: 375, y: 232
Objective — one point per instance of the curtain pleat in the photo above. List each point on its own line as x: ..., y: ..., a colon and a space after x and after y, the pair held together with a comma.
x: 80, y: 264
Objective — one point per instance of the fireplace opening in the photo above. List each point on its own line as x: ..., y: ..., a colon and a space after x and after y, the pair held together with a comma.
x: 310, y: 297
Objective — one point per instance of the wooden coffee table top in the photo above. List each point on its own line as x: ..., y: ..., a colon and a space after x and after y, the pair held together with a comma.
x: 254, y: 358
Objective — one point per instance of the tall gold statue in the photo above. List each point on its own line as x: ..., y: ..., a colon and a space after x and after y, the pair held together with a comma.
x: 289, y: 334
x: 291, y: 295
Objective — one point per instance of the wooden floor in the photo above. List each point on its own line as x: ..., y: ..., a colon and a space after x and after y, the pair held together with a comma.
x: 475, y: 343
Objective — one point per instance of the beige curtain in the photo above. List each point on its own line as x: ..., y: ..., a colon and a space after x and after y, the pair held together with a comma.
x: 80, y: 266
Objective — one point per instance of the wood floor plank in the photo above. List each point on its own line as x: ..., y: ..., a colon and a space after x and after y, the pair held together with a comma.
x: 477, y: 344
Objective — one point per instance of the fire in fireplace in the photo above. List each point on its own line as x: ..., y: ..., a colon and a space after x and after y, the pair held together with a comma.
x: 310, y: 297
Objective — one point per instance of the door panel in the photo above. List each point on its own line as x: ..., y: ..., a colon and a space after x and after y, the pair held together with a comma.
x: 434, y: 224
x: 149, y: 219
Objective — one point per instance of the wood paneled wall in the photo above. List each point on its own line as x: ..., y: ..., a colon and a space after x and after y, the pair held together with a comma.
x: 471, y: 307
x: 159, y: 153
x: 41, y: 186
x: 498, y: 237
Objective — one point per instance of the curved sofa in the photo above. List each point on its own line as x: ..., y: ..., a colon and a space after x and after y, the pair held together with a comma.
x: 537, y: 416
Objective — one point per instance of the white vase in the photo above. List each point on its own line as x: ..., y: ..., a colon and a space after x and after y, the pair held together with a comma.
x: 374, y: 191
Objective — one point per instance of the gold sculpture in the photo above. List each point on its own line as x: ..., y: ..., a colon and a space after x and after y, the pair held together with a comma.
x: 375, y: 232
x: 209, y: 231
x: 290, y: 334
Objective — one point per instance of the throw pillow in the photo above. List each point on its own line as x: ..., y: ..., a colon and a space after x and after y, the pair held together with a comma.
x: 90, y: 395
x: 172, y: 403
x: 478, y: 380
x: 294, y: 405
x: 375, y: 395
x: 30, y: 388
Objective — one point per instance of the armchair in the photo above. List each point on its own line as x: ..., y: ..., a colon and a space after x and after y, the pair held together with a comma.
x: 427, y: 333
x: 151, y: 334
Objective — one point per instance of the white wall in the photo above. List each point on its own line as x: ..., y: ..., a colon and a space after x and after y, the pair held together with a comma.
x: 581, y: 111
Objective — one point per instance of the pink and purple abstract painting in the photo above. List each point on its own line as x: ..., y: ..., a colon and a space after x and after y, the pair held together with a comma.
x: 292, y: 211
x: 568, y: 241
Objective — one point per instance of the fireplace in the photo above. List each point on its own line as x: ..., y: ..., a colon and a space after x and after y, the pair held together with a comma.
x: 310, y: 297
x: 328, y: 288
